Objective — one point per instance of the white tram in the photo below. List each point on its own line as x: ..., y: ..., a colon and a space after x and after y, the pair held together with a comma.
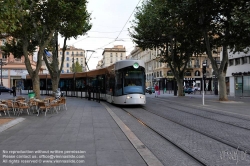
x: 125, y: 83
x: 121, y: 83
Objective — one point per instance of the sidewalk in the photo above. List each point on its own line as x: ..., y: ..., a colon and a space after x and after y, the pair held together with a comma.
x: 85, y: 134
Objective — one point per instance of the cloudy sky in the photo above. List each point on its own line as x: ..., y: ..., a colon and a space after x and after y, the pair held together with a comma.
x: 109, y: 19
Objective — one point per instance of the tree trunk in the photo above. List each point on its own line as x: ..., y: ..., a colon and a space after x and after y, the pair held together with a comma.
x: 222, y: 87
x: 55, y: 82
x: 36, y: 86
x: 180, y: 87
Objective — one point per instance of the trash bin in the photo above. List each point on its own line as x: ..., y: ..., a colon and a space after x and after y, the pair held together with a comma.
x: 31, y: 95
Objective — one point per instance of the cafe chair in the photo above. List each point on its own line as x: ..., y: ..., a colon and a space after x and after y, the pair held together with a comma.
x: 42, y: 106
x: 23, y: 106
x: 4, y: 108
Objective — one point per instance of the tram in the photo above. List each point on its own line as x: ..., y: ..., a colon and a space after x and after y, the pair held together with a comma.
x: 121, y: 83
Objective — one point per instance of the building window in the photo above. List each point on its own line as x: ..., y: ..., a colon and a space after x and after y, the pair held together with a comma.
x: 110, y: 54
x: 197, y: 73
x: 67, y: 58
x: 244, y: 60
x: 187, y: 73
x: 197, y: 63
x: 67, y: 64
x: 62, y: 71
x: 60, y: 53
x: 67, y: 71
x: 67, y: 53
x: 72, y: 53
x: 231, y: 62
x: 169, y: 73
x: 160, y: 73
x: 237, y: 61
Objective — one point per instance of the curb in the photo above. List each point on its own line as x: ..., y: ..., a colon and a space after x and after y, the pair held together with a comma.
x: 11, y: 124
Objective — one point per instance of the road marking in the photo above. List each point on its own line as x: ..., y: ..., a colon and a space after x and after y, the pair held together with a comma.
x: 147, y: 155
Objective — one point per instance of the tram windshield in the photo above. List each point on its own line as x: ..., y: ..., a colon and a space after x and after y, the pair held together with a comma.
x: 134, y: 81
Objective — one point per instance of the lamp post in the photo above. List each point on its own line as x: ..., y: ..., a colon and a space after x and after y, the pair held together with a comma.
x: 204, y: 68
x: 1, y: 63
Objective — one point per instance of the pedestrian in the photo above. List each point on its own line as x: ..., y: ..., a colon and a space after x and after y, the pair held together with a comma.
x: 156, y: 90
x: 14, y: 90
x: 89, y: 92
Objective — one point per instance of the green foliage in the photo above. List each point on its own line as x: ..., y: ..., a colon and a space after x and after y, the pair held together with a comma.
x: 8, y: 16
x: 76, y: 67
x: 15, y: 47
x: 158, y: 24
x: 39, y: 21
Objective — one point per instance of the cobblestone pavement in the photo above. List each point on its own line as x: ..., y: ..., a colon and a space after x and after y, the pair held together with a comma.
x: 206, y: 149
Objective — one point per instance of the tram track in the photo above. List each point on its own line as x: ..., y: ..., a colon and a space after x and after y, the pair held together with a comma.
x: 243, y: 120
x: 227, y: 142
x: 200, y: 161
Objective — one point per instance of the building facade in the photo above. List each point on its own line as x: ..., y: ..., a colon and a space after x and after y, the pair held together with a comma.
x: 158, y: 72
x: 111, y: 55
x: 72, y: 55
x: 238, y: 73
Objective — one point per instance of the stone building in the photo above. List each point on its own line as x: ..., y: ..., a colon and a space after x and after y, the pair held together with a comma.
x: 111, y: 55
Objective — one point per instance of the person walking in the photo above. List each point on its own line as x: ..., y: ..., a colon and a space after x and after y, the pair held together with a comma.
x: 156, y: 90
x: 14, y: 90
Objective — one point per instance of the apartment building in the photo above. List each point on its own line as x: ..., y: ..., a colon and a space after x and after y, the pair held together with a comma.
x: 13, y: 70
x: 158, y: 72
x: 111, y: 55
x: 238, y: 73
x: 72, y: 55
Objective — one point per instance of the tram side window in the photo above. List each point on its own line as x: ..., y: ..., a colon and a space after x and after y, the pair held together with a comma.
x: 118, y: 85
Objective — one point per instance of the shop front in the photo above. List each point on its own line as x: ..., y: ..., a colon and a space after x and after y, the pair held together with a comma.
x: 242, y: 84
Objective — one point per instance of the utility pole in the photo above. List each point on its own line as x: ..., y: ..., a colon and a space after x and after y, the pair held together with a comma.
x: 204, y: 70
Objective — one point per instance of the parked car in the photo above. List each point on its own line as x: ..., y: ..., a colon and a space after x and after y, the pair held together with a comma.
x: 5, y: 89
x: 197, y: 88
x: 150, y: 88
x: 189, y: 90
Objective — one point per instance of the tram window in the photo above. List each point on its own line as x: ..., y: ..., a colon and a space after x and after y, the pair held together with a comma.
x: 118, y: 85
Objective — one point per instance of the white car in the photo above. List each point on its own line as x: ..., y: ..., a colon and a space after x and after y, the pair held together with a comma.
x: 197, y: 88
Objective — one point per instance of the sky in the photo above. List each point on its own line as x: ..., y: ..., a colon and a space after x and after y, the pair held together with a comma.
x: 110, y: 22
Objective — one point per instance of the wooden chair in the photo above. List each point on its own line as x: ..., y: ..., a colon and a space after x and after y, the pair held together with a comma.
x: 55, y: 105
x: 43, y: 106
x: 23, y: 106
x: 4, y: 108
x: 9, y: 103
x: 33, y: 104
x: 62, y: 102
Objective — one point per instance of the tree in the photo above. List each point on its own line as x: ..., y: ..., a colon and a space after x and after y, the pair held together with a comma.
x: 39, y: 22
x: 76, y: 67
x: 157, y: 25
x: 75, y: 20
x: 222, y: 24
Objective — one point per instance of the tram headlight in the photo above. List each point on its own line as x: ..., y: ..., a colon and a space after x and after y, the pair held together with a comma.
x: 141, y: 97
x: 128, y: 97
